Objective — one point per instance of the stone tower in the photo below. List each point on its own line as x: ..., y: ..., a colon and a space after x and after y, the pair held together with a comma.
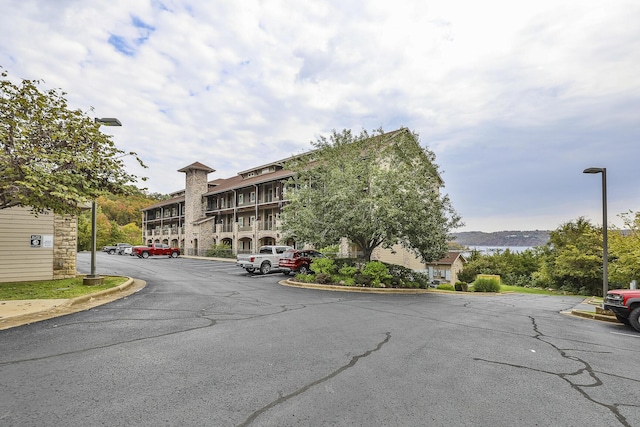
x: 195, y: 186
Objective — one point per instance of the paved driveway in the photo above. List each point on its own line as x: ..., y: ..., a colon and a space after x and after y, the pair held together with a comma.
x: 206, y: 344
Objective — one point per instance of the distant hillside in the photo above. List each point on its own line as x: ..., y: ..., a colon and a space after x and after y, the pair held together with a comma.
x: 502, y: 238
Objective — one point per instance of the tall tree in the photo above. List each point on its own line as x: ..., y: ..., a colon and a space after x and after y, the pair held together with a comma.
x: 377, y: 189
x: 52, y: 157
x: 573, y: 258
x: 624, y: 251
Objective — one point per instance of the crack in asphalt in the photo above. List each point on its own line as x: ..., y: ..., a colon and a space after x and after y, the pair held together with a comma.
x: 114, y: 344
x: 202, y: 313
x: 571, y: 377
x: 283, y: 399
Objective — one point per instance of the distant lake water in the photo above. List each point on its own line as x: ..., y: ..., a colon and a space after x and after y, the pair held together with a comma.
x: 488, y: 250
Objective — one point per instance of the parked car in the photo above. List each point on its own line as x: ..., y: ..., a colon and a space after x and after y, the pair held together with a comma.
x: 127, y: 250
x: 115, y: 248
x: 263, y: 261
x: 625, y: 304
x: 155, y: 249
x: 298, y: 261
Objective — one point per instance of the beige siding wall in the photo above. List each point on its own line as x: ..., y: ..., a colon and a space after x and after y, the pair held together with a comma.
x: 18, y: 260
x: 401, y: 257
x: 456, y: 268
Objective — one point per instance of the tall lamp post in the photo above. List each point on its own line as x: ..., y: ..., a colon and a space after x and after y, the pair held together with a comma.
x: 605, y: 256
x: 93, y: 278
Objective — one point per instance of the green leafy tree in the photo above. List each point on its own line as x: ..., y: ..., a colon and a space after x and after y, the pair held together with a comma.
x: 624, y: 251
x: 573, y: 258
x: 377, y: 189
x: 131, y: 233
x: 52, y: 157
x: 119, y: 219
x: 125, y: 209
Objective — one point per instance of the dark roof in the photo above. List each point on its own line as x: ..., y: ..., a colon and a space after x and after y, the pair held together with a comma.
x: 220, y: 185
x: 165, y: 203
x: 449, y: 258
x: 197, y: 166
x: 238, y: 182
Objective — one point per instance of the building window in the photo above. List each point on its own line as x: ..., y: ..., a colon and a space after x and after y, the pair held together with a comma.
x: 252, y: 196
x: 240, y: 199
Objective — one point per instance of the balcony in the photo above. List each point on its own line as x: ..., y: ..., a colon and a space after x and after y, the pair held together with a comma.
x: 267, y: 225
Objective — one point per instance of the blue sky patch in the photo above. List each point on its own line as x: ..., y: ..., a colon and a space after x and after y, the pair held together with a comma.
x: 121, y: 45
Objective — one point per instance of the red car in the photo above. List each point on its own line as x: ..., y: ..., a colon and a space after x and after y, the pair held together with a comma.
x: 298, y: 261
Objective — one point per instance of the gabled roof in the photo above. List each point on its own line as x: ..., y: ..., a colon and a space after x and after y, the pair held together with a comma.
x: 197, y: 166
x: 171, y: 201
x: 237, y: 182
x: 220, y: 185
x: 449, y: 259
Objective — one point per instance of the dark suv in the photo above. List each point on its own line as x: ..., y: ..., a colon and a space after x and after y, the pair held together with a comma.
x: 625, y: 303
x: 298, y: 261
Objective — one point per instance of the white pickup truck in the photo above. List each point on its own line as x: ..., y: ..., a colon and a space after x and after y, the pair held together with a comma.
x: 266, y: 259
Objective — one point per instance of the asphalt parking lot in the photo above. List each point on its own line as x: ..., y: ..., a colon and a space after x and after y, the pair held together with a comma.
x: 205, y: 343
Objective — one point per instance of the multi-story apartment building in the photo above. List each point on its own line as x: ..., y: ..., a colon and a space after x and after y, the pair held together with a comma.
x: 242, y: 211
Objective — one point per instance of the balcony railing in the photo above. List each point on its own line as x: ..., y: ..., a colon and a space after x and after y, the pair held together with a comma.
x: 267, y: 225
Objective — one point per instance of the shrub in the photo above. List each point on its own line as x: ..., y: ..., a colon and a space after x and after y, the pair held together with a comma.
x: 362, y: 279
x: 324, y: 266
x: 406, y: 275
x: 446, y: 287
x: 377, y: 271
x: 323, y: 279
x: 221, y: 250
x: 306, y: 278
x: 347, y: 281
x: 350, y: 262
x: 483, y: 284
x: 461, y: 286
x: 348, y: 271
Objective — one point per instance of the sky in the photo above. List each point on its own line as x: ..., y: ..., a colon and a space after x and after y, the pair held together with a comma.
x: 514, y: 98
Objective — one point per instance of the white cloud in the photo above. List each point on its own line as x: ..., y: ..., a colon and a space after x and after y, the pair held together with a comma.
x: 515, y: 98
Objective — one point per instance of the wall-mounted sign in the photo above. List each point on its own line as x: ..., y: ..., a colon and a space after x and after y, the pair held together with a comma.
x: 42, y: 240
x: 36, y: 240
x: 47, y: 241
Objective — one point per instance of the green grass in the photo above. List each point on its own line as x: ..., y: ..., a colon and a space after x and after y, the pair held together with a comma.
x: 523, y: 290
x: 54, y: 289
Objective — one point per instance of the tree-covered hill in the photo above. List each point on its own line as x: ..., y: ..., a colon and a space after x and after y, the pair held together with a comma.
x: 119, y: 219
x: 502, y: 238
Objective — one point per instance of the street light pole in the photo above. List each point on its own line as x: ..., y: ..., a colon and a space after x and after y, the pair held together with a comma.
x: 93, y: 278
x: 605, y: 251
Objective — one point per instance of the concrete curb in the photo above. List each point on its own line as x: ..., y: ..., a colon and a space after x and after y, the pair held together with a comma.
x: 89, y: 297
x: 73, y: 305
x: 593, y: 316
x: 365, y: 289
x: 353, y: 288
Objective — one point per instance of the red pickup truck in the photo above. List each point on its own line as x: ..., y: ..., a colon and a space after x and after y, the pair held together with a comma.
x: 625, y: 303
x: 155, y: 249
